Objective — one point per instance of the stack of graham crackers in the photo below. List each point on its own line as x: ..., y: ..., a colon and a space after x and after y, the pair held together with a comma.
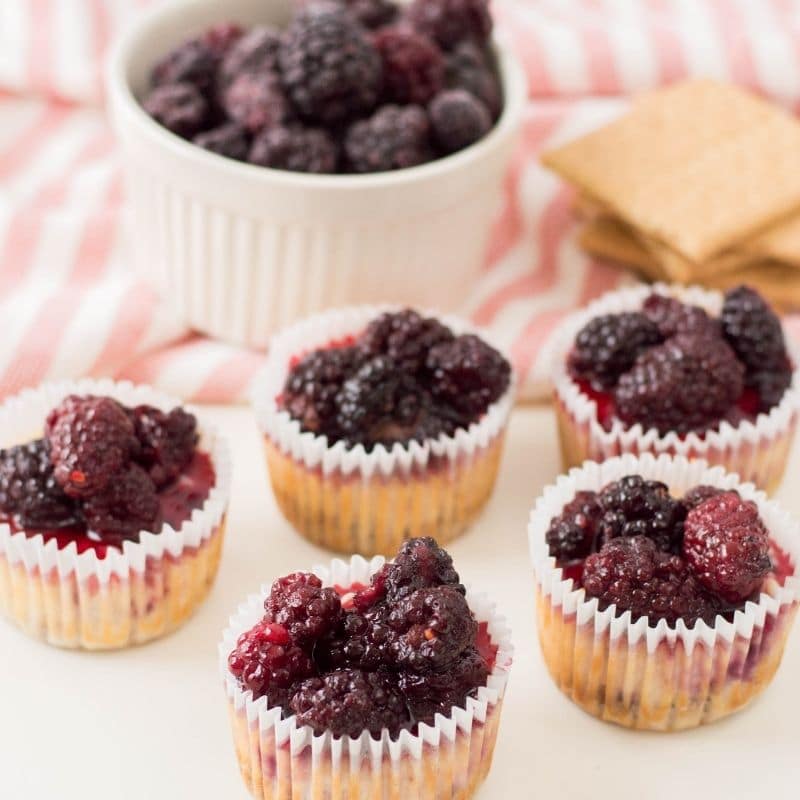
x: 698, y: 183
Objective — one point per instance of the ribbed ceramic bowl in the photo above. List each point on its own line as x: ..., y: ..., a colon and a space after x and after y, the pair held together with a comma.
x: 243, y: 251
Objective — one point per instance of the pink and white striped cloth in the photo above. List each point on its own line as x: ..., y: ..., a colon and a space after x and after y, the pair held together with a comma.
x: 69, y: 305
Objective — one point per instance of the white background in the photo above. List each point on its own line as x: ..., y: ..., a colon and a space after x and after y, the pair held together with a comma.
x: 152, y: 722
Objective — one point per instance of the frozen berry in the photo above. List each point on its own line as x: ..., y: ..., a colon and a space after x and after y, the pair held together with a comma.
x: 434, y: 693
x: 420, y: 564
x: 256, y: 101
x: 267, y: 663
x: 572, y: 533
x: 29, y: 491
x: 255, y: 52
x: 167, y: 441
x: 699, y: 494
x: 636, y: 576
x: 672, y: 316
x: 405, y: 336
x: 608, y: 345
x: 372, y: 13
x: 686, y: 384
x: 413, y: 66
x: 91, y: 439
x: 452, y: 21
x: 468, y: 375
x: 229, y: 140
x: 309, y: 394
x: 394, y: 137
x: 727, y: 546
x: 348, y: 702
x: 300, y: 604
x: 193, y: 62
x: 471, y: 68
x: 222, y: 37
x: 753, y: 329
x: 633, y: 506
x: 331, y: 70
x: 296, y: 149
x: 433, y: 627
x: 179, y: 107
x: 127, y: 506
x: 458, y: 119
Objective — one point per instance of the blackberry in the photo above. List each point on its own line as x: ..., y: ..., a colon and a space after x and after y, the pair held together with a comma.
x: 609, y: 345
x: 672, y: 316
x: 300, y: 604
x: 572, y: 533
x: 29, y: 491
x: 256, y: 101
x: 348, y: 702
x: 229, y: 140
x: 699, y: 494
x: 221, y: 38
x: 770, y: 385
x: 633, y: 506
x: 309, y: 394
x: 632, y: 573
x: 727, y: 546
x: 179, y: 107
x: 432, y: 628
x: 372, y: 13
x: 331, y: 70
x: 363, y: 640
x: 193, y: 61
x: 167, y: 441
x: 458, y: 119
x: 468, y: 375
x: 686, y: 384
x: 753, y: 330
x: 394, y: 137
x: 434, y: 693
x: 452, y: 21
x: 420, y: 564
x: 255, y: 52
x: 413, y: 66
x: 405, y: 336
x: 266, y: 662
x: 470, y: 67
x: 296, y: 149
x: 127, y: 506
x: 91, y: 440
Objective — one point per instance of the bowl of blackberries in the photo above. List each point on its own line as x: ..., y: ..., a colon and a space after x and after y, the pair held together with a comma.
x: 283, y: 157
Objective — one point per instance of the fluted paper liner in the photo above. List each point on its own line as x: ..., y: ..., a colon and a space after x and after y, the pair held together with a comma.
x: 353, y: 501
x: 133, y: 595
x: 653, y: 676
x: 756, y: 450
x: 449, y: 759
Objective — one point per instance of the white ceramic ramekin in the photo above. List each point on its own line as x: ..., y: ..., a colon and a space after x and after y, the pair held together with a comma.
x: 242, y: 251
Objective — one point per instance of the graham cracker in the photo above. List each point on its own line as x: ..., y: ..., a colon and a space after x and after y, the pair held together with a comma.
x: 698, y: 167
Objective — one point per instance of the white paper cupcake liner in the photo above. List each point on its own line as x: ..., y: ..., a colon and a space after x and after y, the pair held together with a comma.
x: 133, y: 595
x: 354, y: 501
x: 756, y: 450
x: 280, y: 759
x: 653, y: 676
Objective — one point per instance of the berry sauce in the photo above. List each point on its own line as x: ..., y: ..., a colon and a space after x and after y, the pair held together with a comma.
x: 177, y: 501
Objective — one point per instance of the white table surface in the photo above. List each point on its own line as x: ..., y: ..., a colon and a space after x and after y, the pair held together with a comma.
x: 151, y: 722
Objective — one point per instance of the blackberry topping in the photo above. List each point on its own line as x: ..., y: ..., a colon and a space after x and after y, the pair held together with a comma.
x: 609, y: 345
x: 633, y: 506
x: 372, y: 13
x: 470, y: 67
x: 331, y: 70
x: 255, y: 52
x: 296, y: 149
x: 432, y: 628
x: 256, y: 101
x: 468, y: 375
x: 127, y: 506
x: 770, y: 385
x: 452, y: 21
x: 413, y: 66
x: 727, y: 546
x: 572, y: 533
x: 363, y: 640
x: 91, y: 439
x: 179, y: 107
x: 192, y: 62
x: 458, y: 119
x: 29, y: 491
x: 420, y: 564
x: 694, y: 497
x: 394, y: 137
x: 229, y: 140
x: 267, y: 663
x: 350, y: 701
x: 306, y: 610
x: 672, y: 316
x: 167, y: 441
x: 686, y: 384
